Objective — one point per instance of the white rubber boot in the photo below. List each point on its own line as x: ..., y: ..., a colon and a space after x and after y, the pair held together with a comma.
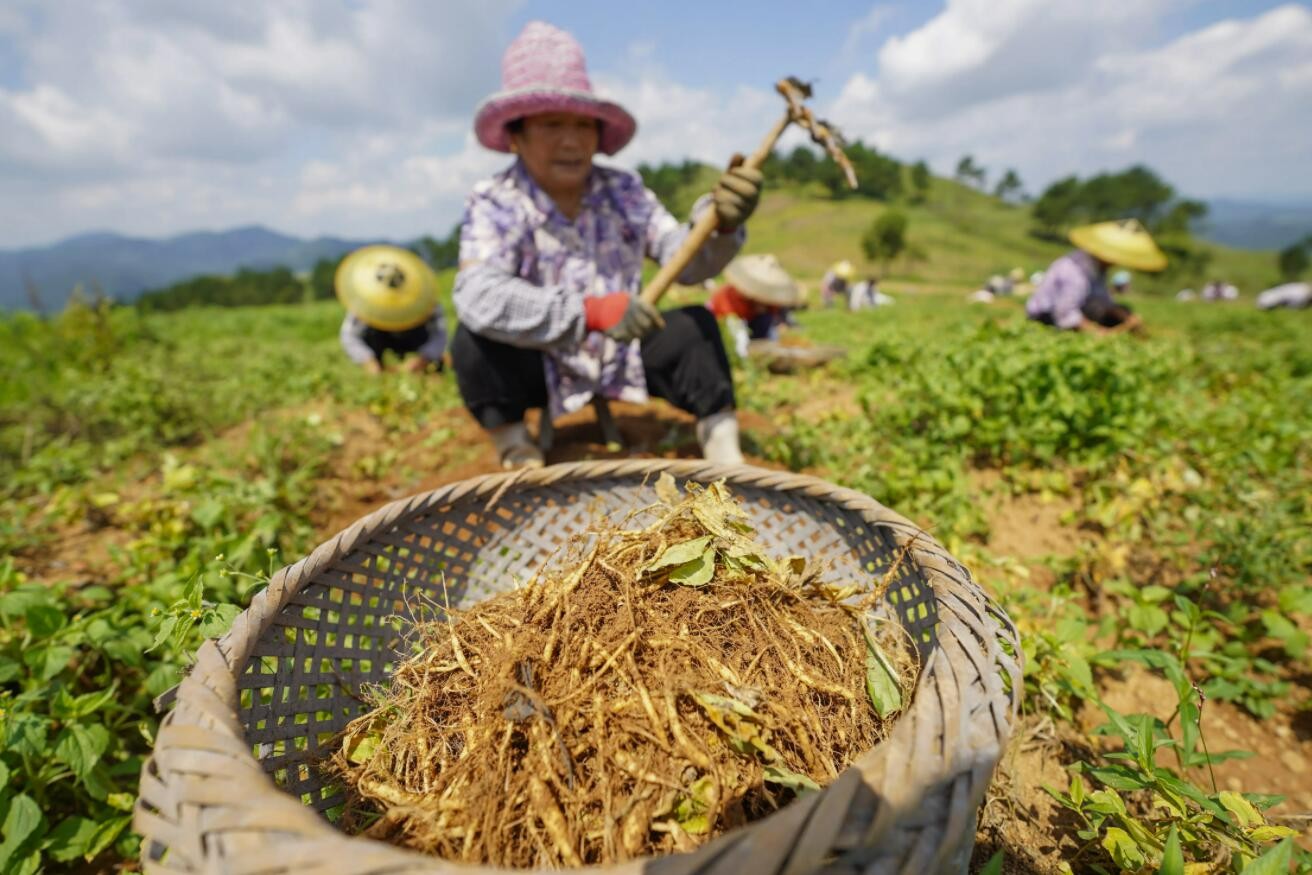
x: 718, y: 435
x: 515, y: 448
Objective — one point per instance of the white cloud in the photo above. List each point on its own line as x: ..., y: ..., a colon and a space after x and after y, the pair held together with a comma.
x: 1058, y: 88
x: 676, y: 121
x: 176, y: 108
x: 345, y: 117
x: 986, y: 49
x: 353, y: 117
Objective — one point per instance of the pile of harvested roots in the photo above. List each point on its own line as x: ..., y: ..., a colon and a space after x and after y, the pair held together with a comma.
x: 661, y: 685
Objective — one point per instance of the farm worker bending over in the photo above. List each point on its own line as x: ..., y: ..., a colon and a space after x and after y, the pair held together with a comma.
x: 1218, y: 290
x: 1073, y: 294
x: 551, y: 253
x: 865, y: 295
x: 390, y: 296
x: 756, y: 299
x: 1295, y: 296
x: 835, y: 281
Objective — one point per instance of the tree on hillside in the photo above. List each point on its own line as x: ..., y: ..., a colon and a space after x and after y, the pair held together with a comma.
x: 1008, y: 186
x: 970, y: 173
x: 322, y: 276
x: 1056, y: 206
x: 1137, y: 193
x: 878, y: 176
x: 1293, y: 261
x: 245, y: 288
x: 666, y: 180
x: 886, y: 238
x: 1181, y: 217
x: 800, y: 166
x: 919, y: 181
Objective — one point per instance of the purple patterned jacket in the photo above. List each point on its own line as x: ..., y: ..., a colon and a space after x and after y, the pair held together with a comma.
x: 525, y: 269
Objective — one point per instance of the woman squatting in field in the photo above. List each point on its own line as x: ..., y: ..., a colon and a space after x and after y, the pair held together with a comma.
x: 390, y: 296
x: 1073, y: 293
x: 551, y: 254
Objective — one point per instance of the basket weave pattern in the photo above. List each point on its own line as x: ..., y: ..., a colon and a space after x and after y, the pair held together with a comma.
x: 230, y: 786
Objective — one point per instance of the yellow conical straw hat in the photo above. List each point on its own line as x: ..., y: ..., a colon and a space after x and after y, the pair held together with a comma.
x: 386, y: 287
x: 761, y: 278
x: 1125, y: 243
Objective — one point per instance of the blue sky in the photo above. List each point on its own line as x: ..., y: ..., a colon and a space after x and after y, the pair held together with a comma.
x: 352, y: 117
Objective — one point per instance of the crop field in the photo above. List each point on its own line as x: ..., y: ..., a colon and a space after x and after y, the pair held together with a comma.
x: 1142, y: 507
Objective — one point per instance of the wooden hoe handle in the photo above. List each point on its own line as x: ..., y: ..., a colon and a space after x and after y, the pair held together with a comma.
x: 705, y: 224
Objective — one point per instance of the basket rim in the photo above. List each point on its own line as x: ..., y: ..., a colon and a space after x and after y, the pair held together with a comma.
x: 207, y: 699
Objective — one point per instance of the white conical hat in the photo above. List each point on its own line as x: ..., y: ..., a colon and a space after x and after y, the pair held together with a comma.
x: 761, y: 278
x: 386, y: 287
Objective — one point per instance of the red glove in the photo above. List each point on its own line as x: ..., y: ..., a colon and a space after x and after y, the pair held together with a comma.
x: 605, y: 311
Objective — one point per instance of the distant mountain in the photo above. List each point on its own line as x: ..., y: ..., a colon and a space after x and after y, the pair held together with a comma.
x: 1256, y: 225
x: 124, y: 267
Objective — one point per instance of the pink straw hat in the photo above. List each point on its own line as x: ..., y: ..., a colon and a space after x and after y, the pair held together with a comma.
x: 543, y: 71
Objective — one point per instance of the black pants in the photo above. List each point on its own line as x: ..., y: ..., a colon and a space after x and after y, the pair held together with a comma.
x: 684, y: 363
x: 1106, y: 315
x: 399, y: 342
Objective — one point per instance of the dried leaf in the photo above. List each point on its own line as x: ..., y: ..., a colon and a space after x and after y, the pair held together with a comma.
x: 666, y: 489
x: 795, y: 781
x: 694, y: 810
x: 681, y: 554
x: 361, y: 748
x: 697, y: 572
x: 881, y: 680
x: 745, y: 728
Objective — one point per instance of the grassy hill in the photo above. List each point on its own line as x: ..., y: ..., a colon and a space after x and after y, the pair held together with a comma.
x: 960, y: 236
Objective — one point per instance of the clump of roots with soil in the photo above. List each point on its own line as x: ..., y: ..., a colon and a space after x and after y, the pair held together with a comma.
x: 657, y: 686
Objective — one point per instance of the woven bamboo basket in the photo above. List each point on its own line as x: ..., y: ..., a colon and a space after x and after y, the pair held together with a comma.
x: 230, y: 786
x: 779, y: 358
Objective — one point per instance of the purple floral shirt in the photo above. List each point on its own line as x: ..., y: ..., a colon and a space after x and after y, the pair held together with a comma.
x: 525, y: 269
x: 1072, y: 285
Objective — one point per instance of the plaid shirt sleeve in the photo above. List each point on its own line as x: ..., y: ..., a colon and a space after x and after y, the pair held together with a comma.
x: 492, y: 301
x: 352, y: 339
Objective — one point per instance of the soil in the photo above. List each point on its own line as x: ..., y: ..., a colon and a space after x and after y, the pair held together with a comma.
x: 1030, y: 527
x: 1019, y: 818
x: 654, y: 431
x: 79, y: 552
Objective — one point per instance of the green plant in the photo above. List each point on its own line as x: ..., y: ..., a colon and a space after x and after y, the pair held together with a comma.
x: 886, y: 237
x: 1143, y: 806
